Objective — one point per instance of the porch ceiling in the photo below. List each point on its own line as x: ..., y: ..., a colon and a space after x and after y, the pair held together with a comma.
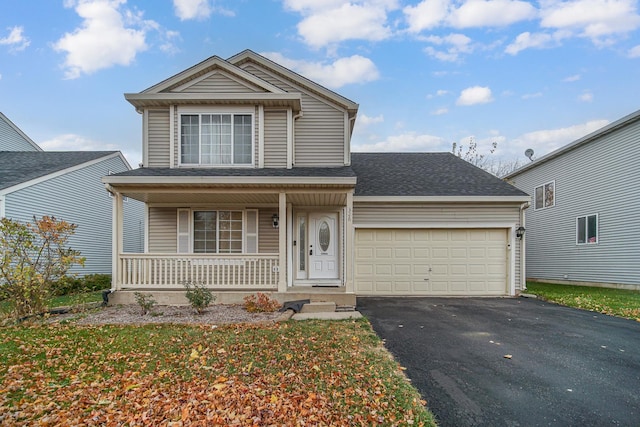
x: 188, y: 195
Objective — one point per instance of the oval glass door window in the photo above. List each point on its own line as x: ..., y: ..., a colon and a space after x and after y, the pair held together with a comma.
x: 324, y: 236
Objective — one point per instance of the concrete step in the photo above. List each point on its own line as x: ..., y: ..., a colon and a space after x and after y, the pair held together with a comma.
x: 319, y: 307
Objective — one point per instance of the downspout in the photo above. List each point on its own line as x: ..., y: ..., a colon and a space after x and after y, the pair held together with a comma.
x: 293, y: 137
x: 523, y: 259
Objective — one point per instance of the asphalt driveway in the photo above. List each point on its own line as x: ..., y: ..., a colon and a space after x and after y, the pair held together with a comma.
x: 566, y: 367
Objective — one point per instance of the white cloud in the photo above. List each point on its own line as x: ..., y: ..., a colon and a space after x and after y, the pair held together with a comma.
x: 103, y: 40
x: 74, y: 142
x: 429, y: 14
x: 426, y: 15
x: 457, y: 44
x: 532, y: 95
x: 192, y: 9
x: 573, y: 78
x: 545, y: 141
x: 343, y: 71
x: 586, y: 97
x: 365, y: 120
x: 491, y: 13
x: 599, y: 20
x: 634, y: 52
x: 405, y: 142
x: 328, y: 22
x: 440, y: 111
x: 475, y: 95
x: 15, y: 39
x: 529, y: 40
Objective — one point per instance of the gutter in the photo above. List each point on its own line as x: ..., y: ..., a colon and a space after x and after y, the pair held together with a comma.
x: 523, y: 252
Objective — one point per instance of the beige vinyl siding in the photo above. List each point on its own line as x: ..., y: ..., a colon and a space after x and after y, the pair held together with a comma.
x: 162, y: 230
x: 319, y: 133
x: 437, y: 213
x: 601, y: 177
x: 158, y: 139
x: 275, y: 139
x: 440, y: 215
x: 219, y: 83
x: 267, y: 235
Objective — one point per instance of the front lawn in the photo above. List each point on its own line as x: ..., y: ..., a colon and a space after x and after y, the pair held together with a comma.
x: 291, y: 373
x: 616, y: 302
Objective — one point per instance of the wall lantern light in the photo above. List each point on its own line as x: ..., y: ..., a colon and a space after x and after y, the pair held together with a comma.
x: 520, y: 232
x: 276, y: 220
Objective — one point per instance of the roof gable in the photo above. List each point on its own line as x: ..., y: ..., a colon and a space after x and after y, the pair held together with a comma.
x: 206, y: 68
x: 248, y: 56
x: 425, y: 175
x: 12, y: 138
x: 592, y: 137
x: 20, y: 167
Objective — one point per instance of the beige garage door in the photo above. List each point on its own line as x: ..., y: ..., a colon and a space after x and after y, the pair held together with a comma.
x: 431, y: 262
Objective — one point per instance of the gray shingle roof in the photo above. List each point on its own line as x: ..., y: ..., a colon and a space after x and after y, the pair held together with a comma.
x: 338, y: 172
x: 424, y: 174
x: 17, y: 167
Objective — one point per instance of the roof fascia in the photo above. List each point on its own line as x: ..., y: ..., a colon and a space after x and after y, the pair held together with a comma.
x: 214, y: 61
x: 301, y: 80
x: 61, y: 172
x: 20, y: 132
x: 626, y: 120
x: 142, y: 100
x: 440, y: 199
x: 227, y: 180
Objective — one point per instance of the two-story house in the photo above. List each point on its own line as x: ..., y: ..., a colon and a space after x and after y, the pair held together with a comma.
x: 250, y: 185
x: 583, y: 224
x: 68, y: 186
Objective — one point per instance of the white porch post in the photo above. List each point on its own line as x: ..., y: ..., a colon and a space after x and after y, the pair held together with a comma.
x: 282, y: 240
x: 116, y: 240
x: 349, y: 244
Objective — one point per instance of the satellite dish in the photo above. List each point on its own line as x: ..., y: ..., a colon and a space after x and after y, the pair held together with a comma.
x: 529, y: 153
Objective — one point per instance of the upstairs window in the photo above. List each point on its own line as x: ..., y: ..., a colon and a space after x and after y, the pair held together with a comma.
x: 216, y: 139
x: 587, y: 229
x: 545, y: 196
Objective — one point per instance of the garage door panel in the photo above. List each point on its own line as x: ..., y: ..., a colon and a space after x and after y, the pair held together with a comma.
x: 431, y: 261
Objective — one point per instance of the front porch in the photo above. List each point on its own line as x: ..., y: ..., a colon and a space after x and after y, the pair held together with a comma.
x: 290, y: 239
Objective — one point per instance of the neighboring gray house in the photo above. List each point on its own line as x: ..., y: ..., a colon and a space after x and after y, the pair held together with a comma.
x: 13, y: 139
x: 67, y: 185
x: 250, y: 185
x: 584, y: 224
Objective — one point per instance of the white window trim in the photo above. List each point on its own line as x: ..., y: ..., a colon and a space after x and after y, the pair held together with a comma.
x: 249, y: 111
x: 190, y: 229
x: 586, y: 242
x: 543, y: 198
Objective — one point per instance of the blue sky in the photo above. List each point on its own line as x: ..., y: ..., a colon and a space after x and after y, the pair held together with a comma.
x: 425, y: 73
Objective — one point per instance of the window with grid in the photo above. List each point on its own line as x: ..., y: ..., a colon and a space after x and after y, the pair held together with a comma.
x: 217, y: 139
x: 217, y: 231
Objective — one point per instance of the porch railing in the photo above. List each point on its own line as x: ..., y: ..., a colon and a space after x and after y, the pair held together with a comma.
x: 164, y: 271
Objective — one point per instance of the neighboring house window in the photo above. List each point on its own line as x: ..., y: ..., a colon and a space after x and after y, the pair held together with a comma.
x: 216, y: 139
x: 217, y: 232
x: 587, y: 229
x: 545, y: 195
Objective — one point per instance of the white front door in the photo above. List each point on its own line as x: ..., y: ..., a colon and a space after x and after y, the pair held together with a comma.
x: 323, y: 245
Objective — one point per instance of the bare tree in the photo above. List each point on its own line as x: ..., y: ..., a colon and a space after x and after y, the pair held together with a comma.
x: 471, y: 154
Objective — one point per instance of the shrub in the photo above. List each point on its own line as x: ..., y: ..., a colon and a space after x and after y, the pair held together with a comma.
x: 145, y: 301
x: 260, y: 304
x: 70, y: 285
x: 199, y: 296
x: 34, y: 255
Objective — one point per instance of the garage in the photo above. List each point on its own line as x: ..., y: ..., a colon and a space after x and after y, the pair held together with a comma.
x: 404, y: 262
